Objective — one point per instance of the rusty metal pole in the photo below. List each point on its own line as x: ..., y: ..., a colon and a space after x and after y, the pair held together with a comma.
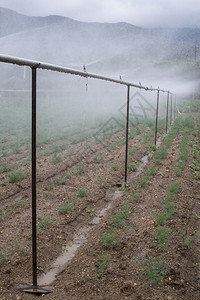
x: 156, y: 126
x: 167, y: 112
x: 127, y: 129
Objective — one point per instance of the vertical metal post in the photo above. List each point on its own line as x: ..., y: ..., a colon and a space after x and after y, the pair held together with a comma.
x: 167, y: 111
x: 156, y: 126
x: 171, y: 111
x: 34, y: 288
x: 174, y: 107
x: 127, y: 129
x: 34, y: 213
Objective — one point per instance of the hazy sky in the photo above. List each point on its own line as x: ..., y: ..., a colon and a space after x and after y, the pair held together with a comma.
x: 146, y: 13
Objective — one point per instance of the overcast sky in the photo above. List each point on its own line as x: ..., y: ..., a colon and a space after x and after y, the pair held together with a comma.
x: 146, y: 13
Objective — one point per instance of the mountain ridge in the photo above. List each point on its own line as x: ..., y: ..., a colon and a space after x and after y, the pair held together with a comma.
x: 110, y: 49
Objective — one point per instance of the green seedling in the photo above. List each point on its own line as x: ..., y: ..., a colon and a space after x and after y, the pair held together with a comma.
x: 82, y: 193
x: 108, y: 240
x: 69, y: 153
x: 66, y: 207
x: 162, y: 237
x: 132, y: 167
x: 91, y: 212
x: 40, y: 268
x: 17, y: 176
x: 102, y: 265
x: 189, y: 241
x: 16, y: 245
x: 119, y: 218
x: 43, y: 224
x: 2, y: 215
x: 59, y: 181
x: 64, y: 249
x: 79, y: 170
x: 97, y: 159
x: 134, y: 197
x: 115, y: 167
x: 56, y: 159
x: 143, y: 182
x: 4, y: 258
x: 156, y: 270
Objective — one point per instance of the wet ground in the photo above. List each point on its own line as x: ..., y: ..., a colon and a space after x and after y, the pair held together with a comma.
x: 70, y: 248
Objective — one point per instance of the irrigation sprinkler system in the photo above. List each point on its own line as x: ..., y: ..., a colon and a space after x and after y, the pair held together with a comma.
x: 34, y: 65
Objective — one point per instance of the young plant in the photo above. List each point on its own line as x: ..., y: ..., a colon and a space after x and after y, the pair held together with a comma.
x: 134, y: 197
x: 56, y: 159
x: 91, y: 212
x: 66, y: 207
x: 59, y: 181
x: 132, y: 167
x: 102, y: 265
x: 43, y: 224
x: 79, y: 170
x: 115, y: 167
x: 156, y: 270
x: 108, y: 240
x: 17, y: 176
x: 119, y: 218
x: 143, y: 182
x: 162, y: 237
x: 82, y: 193
x: 4, y: 258
x: 16, y: 245
x: 97, y: 159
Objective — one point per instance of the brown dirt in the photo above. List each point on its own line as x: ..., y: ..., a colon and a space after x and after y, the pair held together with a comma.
x: 136, y: 241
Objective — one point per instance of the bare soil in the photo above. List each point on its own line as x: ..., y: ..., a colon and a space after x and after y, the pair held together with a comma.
x: 125, y: 277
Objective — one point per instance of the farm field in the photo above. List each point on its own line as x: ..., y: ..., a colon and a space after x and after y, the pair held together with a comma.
x: 134, y: 242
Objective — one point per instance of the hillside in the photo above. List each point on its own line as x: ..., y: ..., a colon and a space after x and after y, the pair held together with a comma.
x: 111, y: 49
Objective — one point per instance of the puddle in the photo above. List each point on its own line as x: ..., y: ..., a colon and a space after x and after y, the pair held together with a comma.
x: 71, y: 248
x: 69, y: 253
x: 140, y: 167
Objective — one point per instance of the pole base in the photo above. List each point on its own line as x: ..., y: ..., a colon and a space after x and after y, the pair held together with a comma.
x: 123, y: 185
x: 38, y: 290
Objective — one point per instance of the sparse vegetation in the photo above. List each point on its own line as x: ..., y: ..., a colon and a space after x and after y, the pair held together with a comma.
x: 58, y: 181
x: 56, y: 159
x: 43, y: 224
x: 82, y: 193
x: 119, y: 218
x: 115, y: 166
x: 132, y: 167
x: 156, y: 270
x: 146, y: 178
x: 108, y: 240
x: 134, y: 197
x: 4, y: 257
x: 102, y: 265
x: 91, y: 212
x: 17, y: 176
x: 162, y: 237
x: 79, y: 170
x: 196, y: 158
x: 67, y: 206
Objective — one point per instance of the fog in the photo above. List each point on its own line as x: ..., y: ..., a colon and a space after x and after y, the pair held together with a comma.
x: 152, y: 58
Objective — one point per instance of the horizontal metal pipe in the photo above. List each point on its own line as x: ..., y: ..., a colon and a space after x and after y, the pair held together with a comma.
x: 57, y: 68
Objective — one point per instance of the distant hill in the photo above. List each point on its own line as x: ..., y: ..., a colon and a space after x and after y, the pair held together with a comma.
x: 105, y: 48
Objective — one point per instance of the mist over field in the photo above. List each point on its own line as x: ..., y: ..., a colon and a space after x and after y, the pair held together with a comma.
x: 158, y: 57
x: 164, y: 58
